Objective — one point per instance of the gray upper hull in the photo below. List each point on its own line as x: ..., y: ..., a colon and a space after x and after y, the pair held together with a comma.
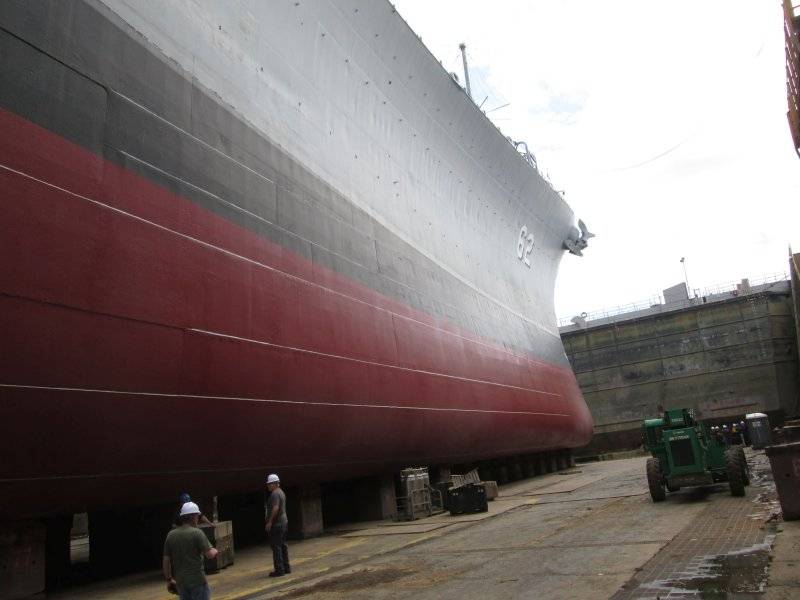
x: 348, y: 90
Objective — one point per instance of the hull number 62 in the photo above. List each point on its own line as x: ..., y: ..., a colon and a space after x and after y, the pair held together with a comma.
x: 525, y: 246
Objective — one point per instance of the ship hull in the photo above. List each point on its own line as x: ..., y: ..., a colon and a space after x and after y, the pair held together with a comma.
x: 178, y: 319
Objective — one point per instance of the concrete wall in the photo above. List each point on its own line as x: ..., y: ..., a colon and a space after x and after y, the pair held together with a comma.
x: 794, y: 270
x: 724, y: 359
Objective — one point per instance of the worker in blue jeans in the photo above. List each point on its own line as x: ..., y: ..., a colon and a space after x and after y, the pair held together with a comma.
x: 276, y: 526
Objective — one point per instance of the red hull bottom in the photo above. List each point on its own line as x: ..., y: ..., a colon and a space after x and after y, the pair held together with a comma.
x: 156, y: 347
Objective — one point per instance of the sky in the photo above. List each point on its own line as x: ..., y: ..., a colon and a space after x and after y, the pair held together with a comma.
x: 663, y: 122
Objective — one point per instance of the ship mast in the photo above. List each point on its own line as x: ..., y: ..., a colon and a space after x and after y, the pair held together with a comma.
x: 463, y: 47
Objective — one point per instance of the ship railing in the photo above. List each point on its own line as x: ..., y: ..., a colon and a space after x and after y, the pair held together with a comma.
x: 736, y: 286
x: 656, y: 304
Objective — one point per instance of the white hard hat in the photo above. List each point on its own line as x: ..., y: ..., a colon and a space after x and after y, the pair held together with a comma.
x: 190, y: 508
x: 273, y: 478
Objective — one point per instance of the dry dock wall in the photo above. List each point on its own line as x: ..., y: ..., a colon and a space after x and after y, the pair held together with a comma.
x: 794, y: 280
x: 723, y: 358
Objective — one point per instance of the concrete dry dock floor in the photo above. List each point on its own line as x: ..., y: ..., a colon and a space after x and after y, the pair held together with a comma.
x: 590, y: 532
x: 784, y: 570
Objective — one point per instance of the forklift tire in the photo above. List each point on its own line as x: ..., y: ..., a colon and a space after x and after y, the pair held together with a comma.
x: 655, y: 480
x: 746, y: 467
x: 735, y: 470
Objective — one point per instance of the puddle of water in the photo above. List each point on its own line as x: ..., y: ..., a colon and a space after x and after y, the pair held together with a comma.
x: 740, y: 574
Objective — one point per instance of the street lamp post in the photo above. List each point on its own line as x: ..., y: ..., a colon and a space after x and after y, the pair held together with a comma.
x: 685, y: 276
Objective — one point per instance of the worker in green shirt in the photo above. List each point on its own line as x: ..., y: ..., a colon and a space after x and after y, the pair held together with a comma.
x: 184, y: 550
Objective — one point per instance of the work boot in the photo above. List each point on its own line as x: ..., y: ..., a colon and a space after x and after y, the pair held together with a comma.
x: 276, y: 574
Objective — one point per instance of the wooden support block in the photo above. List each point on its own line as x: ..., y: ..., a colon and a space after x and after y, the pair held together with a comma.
x: 221, y: 537
x: 22, y: 558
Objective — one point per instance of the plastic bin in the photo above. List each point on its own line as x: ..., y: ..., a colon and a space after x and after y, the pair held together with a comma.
x: 478, y: 501
x: 758, y: 430
x: 467, y: 499
x: 785, y: 462
x: 457, y: 500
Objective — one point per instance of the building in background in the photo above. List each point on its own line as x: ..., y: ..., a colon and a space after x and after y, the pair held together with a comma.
x: 791, y: 11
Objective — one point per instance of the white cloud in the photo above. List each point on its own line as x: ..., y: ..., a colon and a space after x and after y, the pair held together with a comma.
x: 664, y: 123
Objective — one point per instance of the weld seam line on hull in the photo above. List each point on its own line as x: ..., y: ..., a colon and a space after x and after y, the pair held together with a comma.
x: 377, y: 218
x: 262, y: 265
x: 109, y: 90
x: 373, y: 363
x: 253, y: 215
x: 280, y: 401
x: 292, y: 348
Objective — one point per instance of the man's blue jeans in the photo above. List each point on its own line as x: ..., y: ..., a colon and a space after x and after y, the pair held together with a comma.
x: 280, y: 552
x: 201, y: 592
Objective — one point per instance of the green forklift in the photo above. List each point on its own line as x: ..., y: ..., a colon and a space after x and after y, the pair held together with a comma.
x: 687, y: 453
